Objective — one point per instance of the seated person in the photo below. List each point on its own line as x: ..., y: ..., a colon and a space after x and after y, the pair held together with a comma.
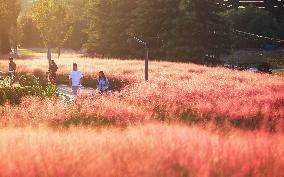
x: 103, y: 83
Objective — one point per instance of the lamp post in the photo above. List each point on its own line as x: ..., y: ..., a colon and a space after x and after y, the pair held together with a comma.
x: 146, y: 63
x: 146, y: 57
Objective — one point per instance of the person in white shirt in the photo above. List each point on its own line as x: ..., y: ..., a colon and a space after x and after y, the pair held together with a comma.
x: 75, y: 79
x: 103, y: 83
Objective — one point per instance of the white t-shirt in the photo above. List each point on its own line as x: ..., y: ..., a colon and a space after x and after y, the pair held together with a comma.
x: 76, y: 78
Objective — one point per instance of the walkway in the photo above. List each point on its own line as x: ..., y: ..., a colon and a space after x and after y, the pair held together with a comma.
x: 66, y: 92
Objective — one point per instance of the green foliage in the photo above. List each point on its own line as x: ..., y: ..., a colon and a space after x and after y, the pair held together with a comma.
x: 9, y: 11
x: 172, y: 28
x: 252, y: 20
x: 5, y: 81
x: 26, y: 6
x: 108, y: 25
x: 207, y: 30
x: 160, y: 24
x: 78, y: 36
x: 51, y: 90
x: 30, y: 86
x: 28, y: 80
x: 281, y: 27
x: 13, y: 95
x: 53, y: 21
x: 29, y: 35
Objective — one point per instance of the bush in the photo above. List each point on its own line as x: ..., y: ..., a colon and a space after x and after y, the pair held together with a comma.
x: 28, y: 80
x: 30, y: 86
x: 13, y: 95
x: 50, y: 90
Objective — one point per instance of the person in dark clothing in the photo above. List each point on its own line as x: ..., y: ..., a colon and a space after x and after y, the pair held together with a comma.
x: 12, y: 65
x: 12, y: 69
x: 52, y: 71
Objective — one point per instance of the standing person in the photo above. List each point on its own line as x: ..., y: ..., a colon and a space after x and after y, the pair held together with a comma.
x: 12, y: 69
x: 75, y: 79
x: 103, y: 83
x: 12, y: 65
x: 52, y: 71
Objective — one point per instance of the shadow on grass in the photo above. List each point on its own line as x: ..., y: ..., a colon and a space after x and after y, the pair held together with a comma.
x: 81, y: 121
x: 258, y: 122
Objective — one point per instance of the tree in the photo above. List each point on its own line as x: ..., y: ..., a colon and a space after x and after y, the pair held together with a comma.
x: 179, y: 29
x: 281, y: 28
x: 8, y: 18
x: 108, y: 25
x: 156, y: 23
x: 77, y: 14
x: 53, y: 21
x: 255, y: 21
x: 186, y: 29
x: 29, y: 35
x: 209, y: 34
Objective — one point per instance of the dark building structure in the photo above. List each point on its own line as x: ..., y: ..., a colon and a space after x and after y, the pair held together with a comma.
x: 275, y: 7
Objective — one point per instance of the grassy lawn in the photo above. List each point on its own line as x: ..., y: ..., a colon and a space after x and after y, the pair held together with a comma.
x: 280, y: 72
x: 32, y: 51
x: 26, y: 52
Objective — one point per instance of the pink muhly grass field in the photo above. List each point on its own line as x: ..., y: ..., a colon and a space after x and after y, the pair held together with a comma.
x: 137, y: 143
x: 148, y: 150
x: 175, y: 90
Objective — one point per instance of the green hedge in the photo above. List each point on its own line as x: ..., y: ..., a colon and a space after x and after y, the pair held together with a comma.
x: 13, y: 95
x: 30, y: 86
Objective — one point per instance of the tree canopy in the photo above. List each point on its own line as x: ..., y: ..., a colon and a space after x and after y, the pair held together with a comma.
x: 53, y: 20
x: 188, y: 30
x: 255, y: 21
x: 172, y: 28
x: 9, y: 12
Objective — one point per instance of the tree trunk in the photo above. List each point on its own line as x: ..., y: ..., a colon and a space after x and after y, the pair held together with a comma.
x: 5, y: 46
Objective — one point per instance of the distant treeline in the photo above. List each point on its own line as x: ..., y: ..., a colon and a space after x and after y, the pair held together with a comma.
x: 195, y: 30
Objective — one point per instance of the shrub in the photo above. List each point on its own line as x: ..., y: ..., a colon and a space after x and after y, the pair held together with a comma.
x: 13, y: 95
x: 50, y: 90
x: 28, y: 80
